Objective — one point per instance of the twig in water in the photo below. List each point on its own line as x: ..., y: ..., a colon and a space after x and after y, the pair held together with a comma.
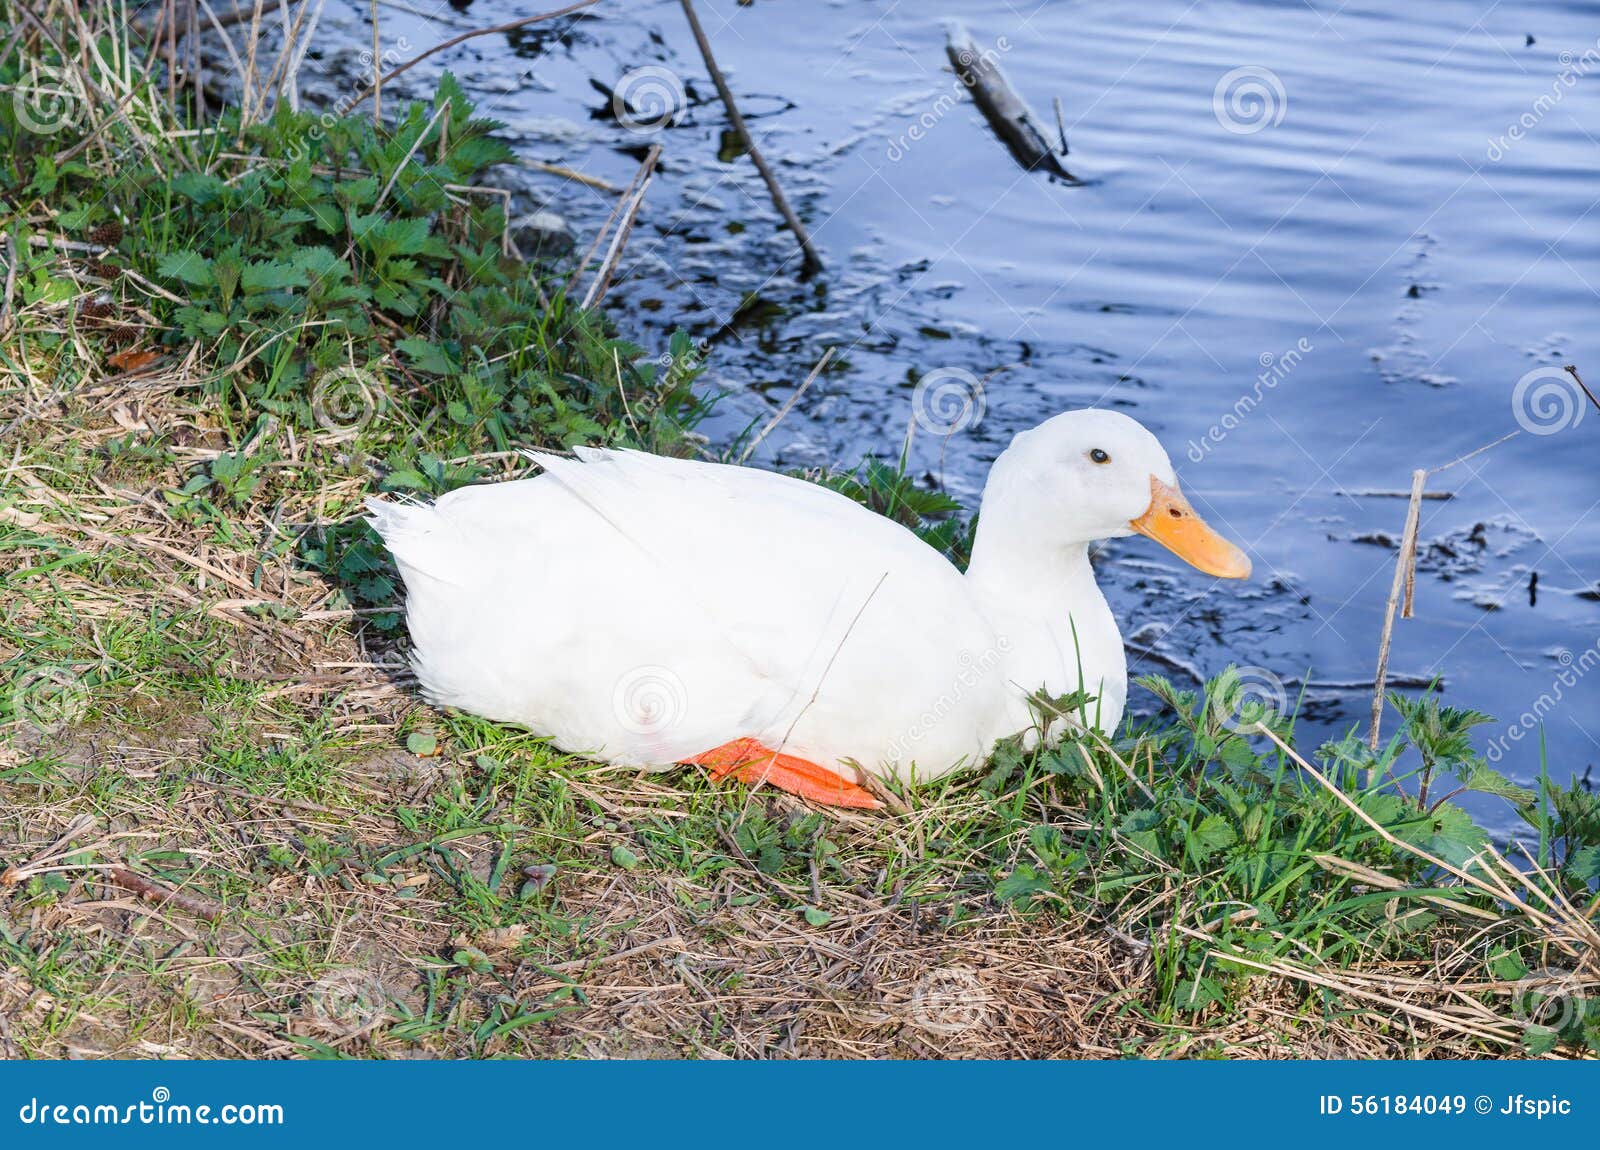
x: 808, y: 253
x: 608, y: 266
x: 511, y: 26
x: 788, y: 404
x: 1015, y: 124
x: 1474, y: 452
x: 1369, y: 493
x: 576, y: 176
x: 1404, y: 578
x: 1405, y: 573
x: 1572, y: 370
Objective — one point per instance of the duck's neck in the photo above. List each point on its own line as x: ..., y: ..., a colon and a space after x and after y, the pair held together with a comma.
x: 1053, y: 621
x: 1028, y: 580
x: 1014, y: 568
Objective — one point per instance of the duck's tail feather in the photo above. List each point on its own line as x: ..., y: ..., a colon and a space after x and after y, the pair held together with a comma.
x: 424, y: 542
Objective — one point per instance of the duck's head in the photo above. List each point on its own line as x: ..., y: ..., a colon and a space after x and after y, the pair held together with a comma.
x: 1095, y: 474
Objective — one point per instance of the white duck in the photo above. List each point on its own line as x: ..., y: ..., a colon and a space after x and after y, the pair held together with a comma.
x: 653, y: 611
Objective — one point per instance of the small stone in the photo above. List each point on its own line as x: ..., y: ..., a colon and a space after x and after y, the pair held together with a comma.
x: 543, y: 235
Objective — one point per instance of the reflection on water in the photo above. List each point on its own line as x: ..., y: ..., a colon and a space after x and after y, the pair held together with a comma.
x: 1323, y: 244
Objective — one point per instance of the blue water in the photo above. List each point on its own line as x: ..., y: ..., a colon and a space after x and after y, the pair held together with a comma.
x: 1345, y: 278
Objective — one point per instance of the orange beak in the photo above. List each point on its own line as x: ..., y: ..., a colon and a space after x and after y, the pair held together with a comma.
x: 1172, y: 523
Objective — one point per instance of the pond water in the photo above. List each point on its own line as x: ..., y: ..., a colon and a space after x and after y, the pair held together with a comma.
x: 1313, y: 255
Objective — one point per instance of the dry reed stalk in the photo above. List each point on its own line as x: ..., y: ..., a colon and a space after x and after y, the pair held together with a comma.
x: 307, y: 17
x: 377, y: 68
x: 168, y: 21
x: 605, y: 228
x: 608, y: 266
x: 1405, y: 565
x: 290, y: 56
x: 249, y: 102
x: 388, y: 186
x: 9, y: 251
x: 58, y: 850
x: 577, y: 177
x: 1497, y: 1031
x: 197, y: 70
x: 222, y: 35
x: 1404, y: 580
x: 788, y: 406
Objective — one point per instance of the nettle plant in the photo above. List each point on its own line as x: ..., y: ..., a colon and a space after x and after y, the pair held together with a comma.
x: 1205, y: 838
x: 370, y: 259
x: 346, y: 246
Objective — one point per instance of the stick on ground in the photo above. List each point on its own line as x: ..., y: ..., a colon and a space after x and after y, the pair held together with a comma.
x: 153, y: 892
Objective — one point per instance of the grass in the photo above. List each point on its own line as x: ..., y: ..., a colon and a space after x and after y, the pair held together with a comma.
x: 228, y: 826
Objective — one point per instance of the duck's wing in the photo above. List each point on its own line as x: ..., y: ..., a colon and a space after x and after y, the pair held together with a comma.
x: 775, y: 567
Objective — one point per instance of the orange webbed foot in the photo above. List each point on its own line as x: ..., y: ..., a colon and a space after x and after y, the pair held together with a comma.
x: 751, y: 763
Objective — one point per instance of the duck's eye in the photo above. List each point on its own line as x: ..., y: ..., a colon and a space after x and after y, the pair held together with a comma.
x: 1099, y: 456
